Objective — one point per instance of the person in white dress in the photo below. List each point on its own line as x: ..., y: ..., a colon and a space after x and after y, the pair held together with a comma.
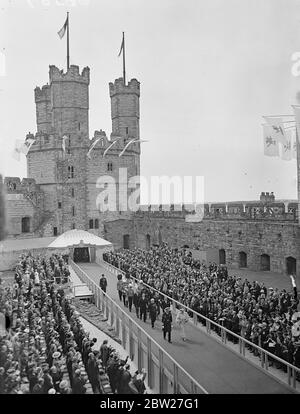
x: 182, y: 319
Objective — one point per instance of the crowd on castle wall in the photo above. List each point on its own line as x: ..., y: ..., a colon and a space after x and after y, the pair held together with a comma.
x: 44, y: 348
x: 263, y: 316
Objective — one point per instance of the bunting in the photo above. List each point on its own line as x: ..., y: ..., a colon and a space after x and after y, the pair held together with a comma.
x: 271, y: 147
x: 92, y: 147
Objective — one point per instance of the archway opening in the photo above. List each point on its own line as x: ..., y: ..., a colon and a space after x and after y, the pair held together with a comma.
x: 291, y: 265
x: 242, y: 259
x: 148, y: 241
x: 265, y: 262
x: 222, y: 257
x: 126, y: 241
x: 26, y: 225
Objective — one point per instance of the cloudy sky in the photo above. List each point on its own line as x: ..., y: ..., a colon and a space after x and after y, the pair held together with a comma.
x: 209, y: 70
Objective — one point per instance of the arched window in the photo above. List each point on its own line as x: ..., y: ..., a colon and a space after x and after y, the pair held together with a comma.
x: 70, y: 171
x: 73, y: 211
x: 109, y: 166
x: 242, y: 259
x: 96, y: 224
x: 73, y: 226
x: 91, y: 224
x: 265, y: 262
x: 73, y: 192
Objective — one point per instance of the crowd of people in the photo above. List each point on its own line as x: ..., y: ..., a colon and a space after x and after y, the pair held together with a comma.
x: 266, y: 317
x: 44, y: 348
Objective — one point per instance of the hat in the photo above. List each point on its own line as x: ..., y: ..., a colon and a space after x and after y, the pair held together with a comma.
x: 56, y: 354
x: 63, y: 384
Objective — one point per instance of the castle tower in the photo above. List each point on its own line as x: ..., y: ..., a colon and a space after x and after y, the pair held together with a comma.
x: 125, y: 108
x: 62, y: 111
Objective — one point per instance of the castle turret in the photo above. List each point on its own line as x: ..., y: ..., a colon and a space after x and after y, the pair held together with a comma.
x: 70, y: 101
x: 125, y: 108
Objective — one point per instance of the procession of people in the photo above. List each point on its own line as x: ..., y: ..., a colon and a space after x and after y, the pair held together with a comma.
x: 266, y: 317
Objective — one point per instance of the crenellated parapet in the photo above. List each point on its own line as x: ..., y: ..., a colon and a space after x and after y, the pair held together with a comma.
x: 71, y: 75
x: 42, y: 94
x: 118, y: 87
x: 277, y: 212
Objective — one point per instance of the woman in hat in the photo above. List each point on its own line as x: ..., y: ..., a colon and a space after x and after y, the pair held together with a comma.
x: 182, y: 319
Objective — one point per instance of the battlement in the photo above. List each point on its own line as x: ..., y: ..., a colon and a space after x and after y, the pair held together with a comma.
x: 252, y: 210
x: 72, y: 74
x: 14, y: 185
x: 118, y: 87
x: 42, y: 94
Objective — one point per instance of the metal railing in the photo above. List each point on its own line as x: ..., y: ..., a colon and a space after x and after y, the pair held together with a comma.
x: 164, y: 374
x: 224, y: 335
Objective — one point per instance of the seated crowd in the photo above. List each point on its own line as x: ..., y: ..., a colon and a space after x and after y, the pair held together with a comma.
x: 44, y: 348
x: 260, y: 315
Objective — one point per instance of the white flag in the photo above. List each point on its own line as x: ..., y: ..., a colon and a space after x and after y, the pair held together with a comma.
x: 92, y: 147
x: 278, y: 132
x: 286, y: 151
x: 111, y: 145
x: 271, y: 147
x: 129, y: 143
x: 62, y: 31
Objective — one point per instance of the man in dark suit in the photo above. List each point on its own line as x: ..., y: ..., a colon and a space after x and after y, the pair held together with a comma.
x: 167, y: 323
x: 152, y: 311
x: 143, y: 307
x: 103, y: 283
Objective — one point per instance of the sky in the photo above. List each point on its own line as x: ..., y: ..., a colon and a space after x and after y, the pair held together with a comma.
x: 209, y: 70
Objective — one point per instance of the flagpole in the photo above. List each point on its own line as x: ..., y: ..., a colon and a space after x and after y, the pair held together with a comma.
x: 124, y: 74
x: 68, y: 43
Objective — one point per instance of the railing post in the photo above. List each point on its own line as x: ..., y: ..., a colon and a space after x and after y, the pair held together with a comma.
x: 266, y: 362
x: 149, y: 361
x: 139, y: 343
x: 289, y: 374
x: 123, y: 333
x: 175, y: 379
x: 195, y: 320
x: 117, y: 323
x: 294, y: 378
x: 161, y: 371
x: 111, y: 315
x: 262, y: 359
x: 131, y: 350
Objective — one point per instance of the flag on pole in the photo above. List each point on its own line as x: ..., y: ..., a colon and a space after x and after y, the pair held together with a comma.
x: 110, y: 146
x: 122, y: 46
x: 278, y: 132
x: 62, y: 31
x: 92, y: 147
x: 271, y: 147
x: 129, y: 143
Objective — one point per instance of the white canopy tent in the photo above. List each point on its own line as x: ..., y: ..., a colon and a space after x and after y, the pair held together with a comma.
x: 82, y: 245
